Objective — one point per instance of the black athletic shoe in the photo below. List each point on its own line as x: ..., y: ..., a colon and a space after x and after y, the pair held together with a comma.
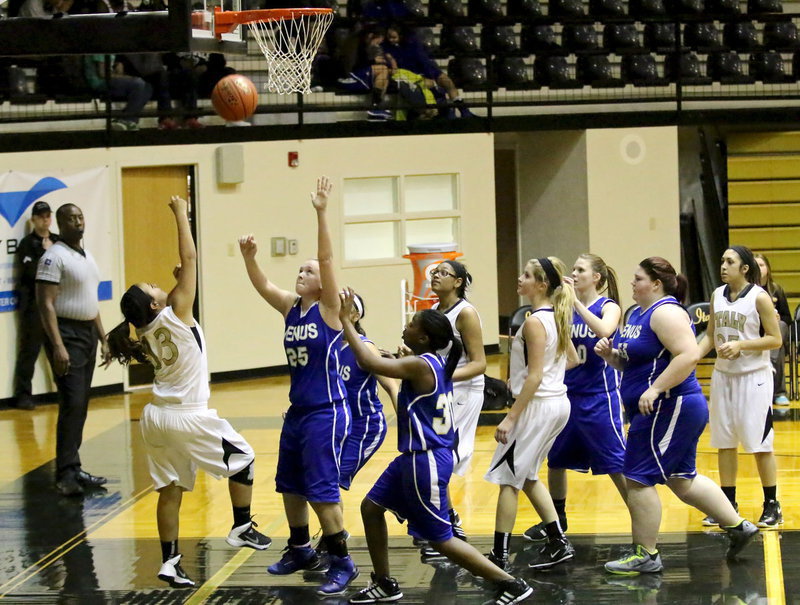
x: 510, y: 592
x: 381, y: 590
x: 710, y: 521
x: 428, y: 553
x: 248, y: 535
x: 172, y: 573
x: 537, y: 533
x: 772, y: 515
x: 458, y: 530
x: 87, y: 480
x: 502, y: 562
x: 740, y: 536
x: 553, y: 553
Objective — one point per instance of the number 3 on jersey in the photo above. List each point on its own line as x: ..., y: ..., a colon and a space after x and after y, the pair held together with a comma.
x: 297, y: 356
x: 443, y: 419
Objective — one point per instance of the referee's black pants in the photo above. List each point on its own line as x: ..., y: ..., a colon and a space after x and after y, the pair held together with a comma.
x: 80, y: 340
x: 30, y: 339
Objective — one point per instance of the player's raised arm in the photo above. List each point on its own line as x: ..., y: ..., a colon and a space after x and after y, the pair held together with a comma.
x: 329, y: 297
x: 278, y: 299
x: 181, y: 297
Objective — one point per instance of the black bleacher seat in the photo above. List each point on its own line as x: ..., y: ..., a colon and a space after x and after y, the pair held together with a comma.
x: 553, y: 71
x: 690, y: 7
x: 760, y: 7
x: 768, y: 67
x: 660, y: 37
x: 621, y: 37
x: 513, y: 73
x: 486, y: 9
x: 642, y: 70
x: 740, y: 36
x: 579, y: 37
x: 499, y: 40
x: 28, y: 99
x: 566, y: 8
x: 460, y: 40
x: 723, y: 7
x: 524, y: 9
x: 647, y: 8
x: 596, y: 71
x: 468, y: 73
x: 447, y: 10
x: 701, y: 36
x: 538, y: 38
x: 726, y: 67
x: 606, y: 8
x: 429, y: 41
x: 780, y: 34
x: 685, y: 67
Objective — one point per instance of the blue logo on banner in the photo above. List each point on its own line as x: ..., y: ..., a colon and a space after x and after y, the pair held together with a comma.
x: 9, y: 299
x: 14, y: 203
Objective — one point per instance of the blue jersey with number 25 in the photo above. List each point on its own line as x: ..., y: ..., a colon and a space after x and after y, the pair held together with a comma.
x: 312, y: 350
x: 425, y: 421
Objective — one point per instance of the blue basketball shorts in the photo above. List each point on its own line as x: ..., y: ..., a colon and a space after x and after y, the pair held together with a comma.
x: 594, y: 438
x: 358, y: 80
x: 367, y: 433
x: 414, y: 488
x: 663, y: 445
x: 309, y: 453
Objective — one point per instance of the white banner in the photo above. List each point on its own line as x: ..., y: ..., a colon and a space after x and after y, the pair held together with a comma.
x: 87, y: 189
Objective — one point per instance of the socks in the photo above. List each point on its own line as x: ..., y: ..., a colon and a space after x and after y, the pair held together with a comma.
x: 561, y: 507
x: 336, y: 544
x: 770, y: 493
x: 377, y: 97
x: 553, y: 531
x: 168, y: 550
x: 502, y: 543
x: 299, y: 536
x: 730, y: 493
x: 241, y: 515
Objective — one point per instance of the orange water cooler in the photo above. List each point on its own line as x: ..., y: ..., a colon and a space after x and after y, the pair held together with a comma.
x: 424, y: 259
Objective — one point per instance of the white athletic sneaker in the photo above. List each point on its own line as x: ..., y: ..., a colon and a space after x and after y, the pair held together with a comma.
x: 247, y: 535
x: 172, y: 573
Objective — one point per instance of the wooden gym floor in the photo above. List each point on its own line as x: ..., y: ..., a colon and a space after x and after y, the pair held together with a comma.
x: 104, y: 548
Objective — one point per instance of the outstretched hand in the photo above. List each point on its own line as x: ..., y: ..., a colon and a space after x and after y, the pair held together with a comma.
x: 604, y: 348
x: 248, y: 246
x: 347, y: 299
x: 178, y: 205
x: 320, y: 198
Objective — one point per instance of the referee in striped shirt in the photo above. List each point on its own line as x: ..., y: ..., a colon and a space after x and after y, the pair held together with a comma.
x: 66, y: 293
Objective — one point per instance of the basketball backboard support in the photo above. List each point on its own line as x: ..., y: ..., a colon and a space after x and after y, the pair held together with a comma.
x: 112, y: 33
x: 205, y: 39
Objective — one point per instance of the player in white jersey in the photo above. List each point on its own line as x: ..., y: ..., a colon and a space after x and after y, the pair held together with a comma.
x: 449, y: 281
x: 180, y: 432
x: 540, y: 353
x: 743, y: 328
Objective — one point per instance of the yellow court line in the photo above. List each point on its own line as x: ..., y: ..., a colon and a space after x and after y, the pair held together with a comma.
x: 773, y: 568
x: 60, y: 550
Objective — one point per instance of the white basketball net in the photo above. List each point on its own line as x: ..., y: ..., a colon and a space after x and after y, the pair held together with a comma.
x: 289, y: 46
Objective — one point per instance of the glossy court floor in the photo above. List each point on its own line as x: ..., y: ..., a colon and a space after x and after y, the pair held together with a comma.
x: 103, y: 548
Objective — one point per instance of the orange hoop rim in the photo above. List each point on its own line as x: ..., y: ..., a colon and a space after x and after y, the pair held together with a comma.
x: 226, y: 21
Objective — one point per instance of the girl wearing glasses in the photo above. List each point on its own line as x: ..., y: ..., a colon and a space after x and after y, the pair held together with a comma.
x: 449, y: 282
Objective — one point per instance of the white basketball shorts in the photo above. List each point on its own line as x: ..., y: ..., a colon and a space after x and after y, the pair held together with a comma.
x: 467, y: 406
x: 741, y: 411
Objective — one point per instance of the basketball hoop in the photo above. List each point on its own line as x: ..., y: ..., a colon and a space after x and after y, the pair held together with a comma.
x: 288, y: 37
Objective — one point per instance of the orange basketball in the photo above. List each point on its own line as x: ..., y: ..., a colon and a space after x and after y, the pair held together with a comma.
x: 235, y: 98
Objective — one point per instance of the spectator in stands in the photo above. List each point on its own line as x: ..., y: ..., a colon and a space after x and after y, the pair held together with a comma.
x: 210, y: 72
x: 134, y: 91
x: 777, y: 356
x: 386, y: 11
x: 150, y: 68
x: 44, y: 9
x: 368, y: 70
x: 405, y: 52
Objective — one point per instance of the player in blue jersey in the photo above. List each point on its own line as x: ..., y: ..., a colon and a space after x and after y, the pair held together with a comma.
x: 368, y: 426
x: 593, y: 438
x: 179, y: 431
x: 318, y: 419
x: 658, y: 352
x: 414, y: 486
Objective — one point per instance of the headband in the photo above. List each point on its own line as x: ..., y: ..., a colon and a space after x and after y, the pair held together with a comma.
x: 359, y: 306
x: 550, y: 271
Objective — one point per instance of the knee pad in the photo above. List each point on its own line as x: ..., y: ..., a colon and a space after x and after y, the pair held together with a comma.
x: 244, y: 476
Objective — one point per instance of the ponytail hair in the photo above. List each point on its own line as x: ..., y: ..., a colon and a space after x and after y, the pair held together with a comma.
x: 753, y: 274
x: 461, y: 273
x: 551, y: 270
x: 608, y: 277
x: 135, y: 306
x: 440, y: 333
x: 674, y: 283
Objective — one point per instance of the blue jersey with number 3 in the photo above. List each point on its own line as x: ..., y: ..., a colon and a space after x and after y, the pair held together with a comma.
x: 312, y: 350
x: 425, y: 421
x: 592, y: 374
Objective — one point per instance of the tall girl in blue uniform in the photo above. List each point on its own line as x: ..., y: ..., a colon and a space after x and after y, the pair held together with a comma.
x: 594, y: 437
x: 658, y: 353
x: 368, y: 426
x: 318, y: 419
x: 540, y: 354
x: 414, y: 486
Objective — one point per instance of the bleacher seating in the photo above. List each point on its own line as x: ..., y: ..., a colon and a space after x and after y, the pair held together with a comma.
x: 621, y: 37
x: 596, y: 71
x: 579, y: 37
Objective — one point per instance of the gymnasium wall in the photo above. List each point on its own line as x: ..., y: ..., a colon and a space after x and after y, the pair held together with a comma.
x: 242, y: 331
